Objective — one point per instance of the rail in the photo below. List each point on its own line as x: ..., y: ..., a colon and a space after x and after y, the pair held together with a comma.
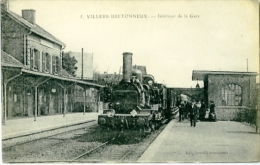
x: 38, y: 135
x: 88, y: 152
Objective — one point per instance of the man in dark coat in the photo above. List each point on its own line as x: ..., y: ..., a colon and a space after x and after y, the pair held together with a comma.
x: 193, y: 113
x: 212, y: 107
x: 186, y: 109
x: 212, y: 114
x: 202, y: 112
x: 181, y: 111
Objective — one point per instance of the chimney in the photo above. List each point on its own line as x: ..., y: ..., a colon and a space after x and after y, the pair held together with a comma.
x: 127, y: 66
x: 29, y: 15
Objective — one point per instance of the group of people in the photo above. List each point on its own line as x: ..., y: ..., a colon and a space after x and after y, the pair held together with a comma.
x: 195, y: 110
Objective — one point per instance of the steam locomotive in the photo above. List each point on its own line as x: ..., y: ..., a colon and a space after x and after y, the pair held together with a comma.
x: 136, y: 102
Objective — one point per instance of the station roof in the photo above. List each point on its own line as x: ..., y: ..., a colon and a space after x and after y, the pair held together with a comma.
x: 9, y: 61
x: 78, y: 81
x: 200, y: 74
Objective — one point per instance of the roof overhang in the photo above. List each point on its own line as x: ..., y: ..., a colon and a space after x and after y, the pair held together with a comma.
x: 10, y: 65
x: 77, y: 81
x: 9, y: 62
x: 63, y: 78
x: 200, y: 74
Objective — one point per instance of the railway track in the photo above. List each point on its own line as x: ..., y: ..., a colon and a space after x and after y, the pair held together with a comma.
x: 86, y: 145
x: 21, y: 140
x: 27, y: 148
x: 108, y: 152
x: 48, y: 139
x: 89, y: 152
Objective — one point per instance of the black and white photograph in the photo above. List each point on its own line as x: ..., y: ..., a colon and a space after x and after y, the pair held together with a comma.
x: 131, y: 81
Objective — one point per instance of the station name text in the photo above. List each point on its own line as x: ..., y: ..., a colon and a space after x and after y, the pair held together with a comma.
x: 137, y: 16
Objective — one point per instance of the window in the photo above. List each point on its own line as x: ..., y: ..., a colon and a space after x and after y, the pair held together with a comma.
x: 37, y: 59
x: 28, y: 58
x: 44, y: 62
x: 232, y: 95
x: 48, y: 62
x: 58, y: 64
x: 55, y: 64
x: 34, y: 59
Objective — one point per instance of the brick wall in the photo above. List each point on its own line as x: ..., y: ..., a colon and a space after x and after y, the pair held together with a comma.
x: 249, y: 98
x: 13, y: 37
x: 16, y: 42
x: 228, y: 112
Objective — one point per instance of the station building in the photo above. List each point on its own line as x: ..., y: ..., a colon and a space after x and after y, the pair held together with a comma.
x: 234, y: 93
x: 33, y: 81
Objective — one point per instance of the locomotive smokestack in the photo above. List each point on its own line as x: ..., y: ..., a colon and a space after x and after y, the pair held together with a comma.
x: 127, y: 66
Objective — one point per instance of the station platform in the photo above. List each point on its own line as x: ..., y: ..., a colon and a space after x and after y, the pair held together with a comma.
x: 210, y: 142
x: 24, y: 126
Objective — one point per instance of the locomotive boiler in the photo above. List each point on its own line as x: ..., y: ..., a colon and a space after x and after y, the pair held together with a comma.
x: 136, y: 101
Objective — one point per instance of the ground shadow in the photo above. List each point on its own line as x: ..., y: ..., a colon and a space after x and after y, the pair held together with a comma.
x: 243, y: 132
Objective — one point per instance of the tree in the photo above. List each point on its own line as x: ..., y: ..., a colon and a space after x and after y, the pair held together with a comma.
x: 68, y: 63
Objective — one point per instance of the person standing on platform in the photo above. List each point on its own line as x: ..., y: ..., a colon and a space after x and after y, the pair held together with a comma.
x: 178, y: 103
x: 181, y: 111
x: 185, y: 110
x: 212, y: 107
x: 212, y: 114
x: 198, y: 103
x: 202, y: 112
x: 193, y: 114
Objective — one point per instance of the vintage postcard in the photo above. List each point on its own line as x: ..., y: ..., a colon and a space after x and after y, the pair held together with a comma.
x: 143, y: 81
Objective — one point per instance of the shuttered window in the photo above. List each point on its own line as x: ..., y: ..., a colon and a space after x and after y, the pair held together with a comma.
x: 43, y: 62
x: 34, y: 59
x: 58, y: 64
x: 48, y: 62
x: 37, y: 59
x: 31, y: 58
x: 28, y: 56
x: 54, y: 64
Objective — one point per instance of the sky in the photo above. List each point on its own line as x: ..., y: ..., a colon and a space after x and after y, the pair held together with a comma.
x: 215, y: 35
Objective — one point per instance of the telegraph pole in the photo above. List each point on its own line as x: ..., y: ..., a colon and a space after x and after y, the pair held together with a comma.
x: 82, y: 66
